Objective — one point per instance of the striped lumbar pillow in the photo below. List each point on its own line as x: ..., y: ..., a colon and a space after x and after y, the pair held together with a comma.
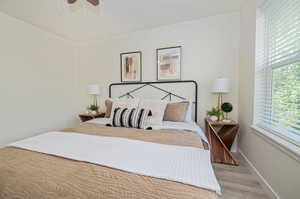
x: 130, y: 118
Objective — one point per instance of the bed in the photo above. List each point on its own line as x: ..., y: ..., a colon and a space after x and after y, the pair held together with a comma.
x: 30, y: 174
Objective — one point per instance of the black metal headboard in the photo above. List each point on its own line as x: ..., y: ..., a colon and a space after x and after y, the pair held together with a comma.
x: 154, y: 85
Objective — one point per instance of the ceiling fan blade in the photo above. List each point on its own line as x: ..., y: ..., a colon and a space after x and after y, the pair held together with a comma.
x: 94, y: 2
x: 71, y: 1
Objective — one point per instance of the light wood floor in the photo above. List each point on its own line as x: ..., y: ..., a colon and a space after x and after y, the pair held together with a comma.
x: 239, y: 182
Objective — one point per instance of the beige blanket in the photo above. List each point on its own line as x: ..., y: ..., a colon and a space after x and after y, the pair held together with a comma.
x: 30, y: 175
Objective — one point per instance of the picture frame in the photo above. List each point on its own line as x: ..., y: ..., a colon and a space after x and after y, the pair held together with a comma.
x: 169, y: 63
x: 131, y: 66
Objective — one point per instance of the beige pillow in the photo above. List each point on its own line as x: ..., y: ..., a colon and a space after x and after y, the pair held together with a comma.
x: 176, y: 112
x: 157, y: 109
x: 108, y: 104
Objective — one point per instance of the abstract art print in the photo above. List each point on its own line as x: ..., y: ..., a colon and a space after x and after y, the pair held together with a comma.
x: 168, y: 63
x: 131, y: 67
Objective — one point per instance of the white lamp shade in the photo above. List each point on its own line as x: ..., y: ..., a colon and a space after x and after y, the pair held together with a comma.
x: 221, y: 85
x: 93, y: 89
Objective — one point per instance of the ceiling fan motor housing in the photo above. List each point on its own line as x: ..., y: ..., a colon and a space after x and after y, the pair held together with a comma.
x: 94, y: 2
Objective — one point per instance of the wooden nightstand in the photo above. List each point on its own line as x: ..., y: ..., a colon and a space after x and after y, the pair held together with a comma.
x: 87, y: 117
x: 221, y: 140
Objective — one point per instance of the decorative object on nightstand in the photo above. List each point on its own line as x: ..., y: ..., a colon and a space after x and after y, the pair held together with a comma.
x: 227, y: 108
x: 93, y: 109
x: 93, y: 91
x: 220, y: 87
x: 221, y: 140
x: 87, y: 117
x: 214, y: 114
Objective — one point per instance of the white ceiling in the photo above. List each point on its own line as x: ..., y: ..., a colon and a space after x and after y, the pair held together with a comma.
x: 82, y: 22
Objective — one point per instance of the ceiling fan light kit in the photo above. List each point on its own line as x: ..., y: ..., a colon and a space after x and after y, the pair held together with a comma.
x: 94, y: 2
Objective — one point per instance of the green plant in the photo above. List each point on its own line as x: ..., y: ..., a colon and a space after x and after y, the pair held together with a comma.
x: 227, y: 107
x: 93, y: 107
x: 214, y: 112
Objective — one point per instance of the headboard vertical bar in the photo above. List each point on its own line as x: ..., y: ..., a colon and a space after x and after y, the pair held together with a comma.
x: 196, y: 101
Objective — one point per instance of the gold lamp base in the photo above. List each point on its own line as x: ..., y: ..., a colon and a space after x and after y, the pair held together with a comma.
x: 220, y: 102
x: 94, y: 100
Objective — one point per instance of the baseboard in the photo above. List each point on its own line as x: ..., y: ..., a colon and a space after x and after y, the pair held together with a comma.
x: 266, y: 186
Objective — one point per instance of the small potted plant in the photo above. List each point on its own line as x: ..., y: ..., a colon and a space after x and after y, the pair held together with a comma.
x: 93, y: 109
x: 214, y: 114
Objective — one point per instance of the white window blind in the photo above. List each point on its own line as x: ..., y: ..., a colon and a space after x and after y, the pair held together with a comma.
x: 277, y: 81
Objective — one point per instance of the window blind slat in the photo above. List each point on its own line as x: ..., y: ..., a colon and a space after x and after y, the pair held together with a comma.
x: 282, y: 126
x: 282, y: 116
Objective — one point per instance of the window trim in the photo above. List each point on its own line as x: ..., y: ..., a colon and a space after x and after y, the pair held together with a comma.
x: 269, y: 57
x: 267, y: 131
x: 270, y: 66
x: 279, y: 141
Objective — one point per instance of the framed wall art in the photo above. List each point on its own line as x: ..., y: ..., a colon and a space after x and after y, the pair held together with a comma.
x: 168, y: 63
x: 131, y: 66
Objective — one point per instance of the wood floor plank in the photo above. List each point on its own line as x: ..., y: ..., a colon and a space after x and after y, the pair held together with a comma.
x: 238, y: 182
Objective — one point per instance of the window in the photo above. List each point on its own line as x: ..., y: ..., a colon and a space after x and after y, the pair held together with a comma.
x: 277, y: 75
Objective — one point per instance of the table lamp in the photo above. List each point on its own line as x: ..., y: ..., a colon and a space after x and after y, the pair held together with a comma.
x: 221, y: 86
x: 94, y: 91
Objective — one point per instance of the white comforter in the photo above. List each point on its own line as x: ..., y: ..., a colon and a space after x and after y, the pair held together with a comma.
x: 187, y: 165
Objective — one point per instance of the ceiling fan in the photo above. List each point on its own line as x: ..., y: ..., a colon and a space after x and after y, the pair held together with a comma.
x: 94, y: 2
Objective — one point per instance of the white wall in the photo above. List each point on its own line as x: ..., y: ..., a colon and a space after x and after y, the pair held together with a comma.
x: 280, y: 170
x: 210, y: 50
x: 37, y: 81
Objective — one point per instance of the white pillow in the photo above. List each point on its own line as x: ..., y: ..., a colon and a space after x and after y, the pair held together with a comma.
x: 189, y: 113
x: 157, y: 108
